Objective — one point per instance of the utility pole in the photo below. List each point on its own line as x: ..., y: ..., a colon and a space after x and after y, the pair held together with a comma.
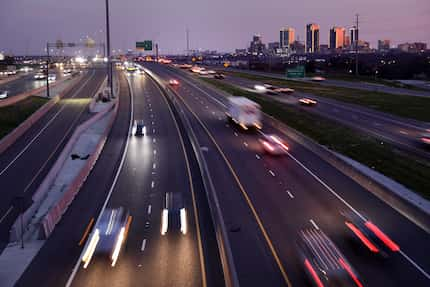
x: 356, y: 45
x: 156, y: 52
x: 109, y: 62
x: 188, y: 42
x: 47, y: 71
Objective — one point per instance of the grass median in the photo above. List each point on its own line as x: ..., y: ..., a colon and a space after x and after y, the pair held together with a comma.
x: 406, y: 106
x: 13, y: 115
x: 382, y: 157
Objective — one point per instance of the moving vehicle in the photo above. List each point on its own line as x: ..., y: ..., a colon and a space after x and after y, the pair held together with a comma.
x: 324, y: 264
x: 369, y: 234
x: 307, y: 102
x: 219, y: 76
x: 273, y: 145
x: 425, y: 138
x: 139, y: 128
x: 173, y: 82
x: 174, y: 213
x: 131, y: 69
x: 318, y: 79
x: 52, y: 77
x: 3, y: 94
x: 244, y: 112
x: 40, y: 76
x: 108, y: 235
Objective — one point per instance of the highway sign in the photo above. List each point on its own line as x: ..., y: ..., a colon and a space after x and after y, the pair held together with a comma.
x: 296, y: 72
x: 145, y: 45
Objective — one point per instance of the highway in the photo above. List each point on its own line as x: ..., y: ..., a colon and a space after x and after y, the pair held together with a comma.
x: 404, y: 133
x: 360, y: 85
x: 297, y: 191
x: 40, y: 146
x: 137, y: 173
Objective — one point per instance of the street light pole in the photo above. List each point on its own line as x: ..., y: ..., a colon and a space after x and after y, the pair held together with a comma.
x: 109, y: 63
x: 47, y: 71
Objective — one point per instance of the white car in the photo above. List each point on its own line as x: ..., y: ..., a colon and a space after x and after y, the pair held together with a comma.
x: 3, y: 94
x: 318, y: 79
x: 40, y: 76
x: 273, y: 145
x: 52, y: 77
x: 307, y: 102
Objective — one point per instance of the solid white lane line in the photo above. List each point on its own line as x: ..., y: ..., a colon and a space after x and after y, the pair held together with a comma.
x: 7, y: 212
x: 415, y: 264
x: 290, y: 194
x: 142, y: 248
x: 314, y: 224
x: 271, y: 172
x: 43, y: 129
x: 149, y: 209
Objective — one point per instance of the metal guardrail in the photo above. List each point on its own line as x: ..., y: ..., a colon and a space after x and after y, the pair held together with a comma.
x: 227, y: 261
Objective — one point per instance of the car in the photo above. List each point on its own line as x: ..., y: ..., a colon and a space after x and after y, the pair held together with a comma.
x: 67, y: 72
x: 3, y: 94
x: 211, y: 72
x: 425, y: 137
x: 40, y: 76
x: 284, y: 91
x: 219, y: 76
x: 273, y: 145
x: 318, y: 79
x: 108, y: 235
x: 131, y: 70
x: 174, y: 213
x: 173, y: 82
x: 307, y: 102
x: 139, y: 128
x: 323, y: 263
x: 367, y: 233
x: 52, y: 77
x: 203, y: 73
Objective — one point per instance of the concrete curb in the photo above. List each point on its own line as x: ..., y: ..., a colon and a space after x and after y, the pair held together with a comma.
x: 95, y: 97
x: 14, y: 135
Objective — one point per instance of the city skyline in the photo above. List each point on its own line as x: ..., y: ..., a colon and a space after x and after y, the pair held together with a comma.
x: 167, y: 25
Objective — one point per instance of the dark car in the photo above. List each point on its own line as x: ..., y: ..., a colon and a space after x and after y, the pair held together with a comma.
x: 139, y: 128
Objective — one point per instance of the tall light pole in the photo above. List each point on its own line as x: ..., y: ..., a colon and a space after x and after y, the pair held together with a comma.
x: 356, y: 44
x: 109, y: 62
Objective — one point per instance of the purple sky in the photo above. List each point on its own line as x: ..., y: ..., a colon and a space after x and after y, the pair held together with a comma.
x: 25, y: 25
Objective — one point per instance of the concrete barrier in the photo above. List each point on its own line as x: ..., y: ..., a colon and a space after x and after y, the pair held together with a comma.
x: 55, y: 213
x: 95, y: 98
x: 14, y: 135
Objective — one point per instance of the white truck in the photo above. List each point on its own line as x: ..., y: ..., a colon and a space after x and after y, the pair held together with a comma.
x: 244, y: 112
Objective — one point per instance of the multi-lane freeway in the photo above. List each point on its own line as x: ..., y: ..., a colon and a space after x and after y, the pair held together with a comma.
x: 286, y: 194
x: 144, y: 175
x: 24, y: 165
x: 402, y: 132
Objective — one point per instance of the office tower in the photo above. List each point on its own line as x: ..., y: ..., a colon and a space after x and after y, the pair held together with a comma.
x: 312, y: 38
x: 286, y: 37
x: 337, y: 38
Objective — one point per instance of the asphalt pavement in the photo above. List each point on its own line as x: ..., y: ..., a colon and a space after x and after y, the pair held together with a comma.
x: 24, y: 165
x: 301, y: 190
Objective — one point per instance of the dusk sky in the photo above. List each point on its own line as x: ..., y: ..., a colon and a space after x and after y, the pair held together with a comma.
x: 26, y: 25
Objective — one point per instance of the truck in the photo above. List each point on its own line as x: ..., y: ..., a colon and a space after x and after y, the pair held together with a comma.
x: 244, y: 112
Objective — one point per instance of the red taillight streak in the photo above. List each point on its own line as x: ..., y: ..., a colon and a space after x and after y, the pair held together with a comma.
x: 426, y: 140
x: 266, y: 144
x: 278, y: 141
x: 349, y: 270
x: 313, y: 273
x: 362, y: 237
x: 382, y: 236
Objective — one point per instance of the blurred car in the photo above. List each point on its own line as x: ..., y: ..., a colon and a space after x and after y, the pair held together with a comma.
x: 323, y: 263
x: 52, y: 77
x: 139, y: 128
x: 203, y: 73
x: 307, y: 102
x: 174, y: 213
x: 425, y: 137
x: 3, y: 94
x: 369, y: 234
x: 273, y: 145
x: 67, y: 72
x: 284, y: 90
x: 40, y: 76
x: 219, y: 76
x: 173, y: 82
x: 108, y: 235
x: 131, y: 70
x: 211, y: 72
x: 318, y: 79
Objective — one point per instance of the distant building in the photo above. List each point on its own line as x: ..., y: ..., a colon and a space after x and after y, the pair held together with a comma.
x: 383, y: 45
x: 286, y: 38
x: 324, y: 49
x: 256, y: 46
x: 353, y: 36
x: 312, y: 38
x: 241, y: 52
x: 297, y: 47
x: 412, y: 47
x: 273, y: 47
x: 337, y: 38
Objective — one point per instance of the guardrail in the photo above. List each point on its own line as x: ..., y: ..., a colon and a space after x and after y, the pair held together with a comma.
x: 227, y: 261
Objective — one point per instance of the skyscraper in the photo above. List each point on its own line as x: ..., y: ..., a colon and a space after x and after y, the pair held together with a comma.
x: 286, y: 37
x: 353, y: 35
x: 312, y: 43
x: 337, y: 38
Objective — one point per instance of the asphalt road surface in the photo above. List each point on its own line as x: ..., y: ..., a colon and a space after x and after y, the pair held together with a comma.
x: 301, y: 190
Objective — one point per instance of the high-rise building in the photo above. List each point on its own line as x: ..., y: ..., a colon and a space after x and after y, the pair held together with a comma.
x: 383, y: 45
x: 286, y: 37
x: 353, y: 35
x: 337, y: 38
x: 256, y: 46
x: 312, y: 43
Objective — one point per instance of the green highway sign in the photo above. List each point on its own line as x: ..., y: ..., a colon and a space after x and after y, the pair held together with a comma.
x: 297, y: 72
x: 145, y: 45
